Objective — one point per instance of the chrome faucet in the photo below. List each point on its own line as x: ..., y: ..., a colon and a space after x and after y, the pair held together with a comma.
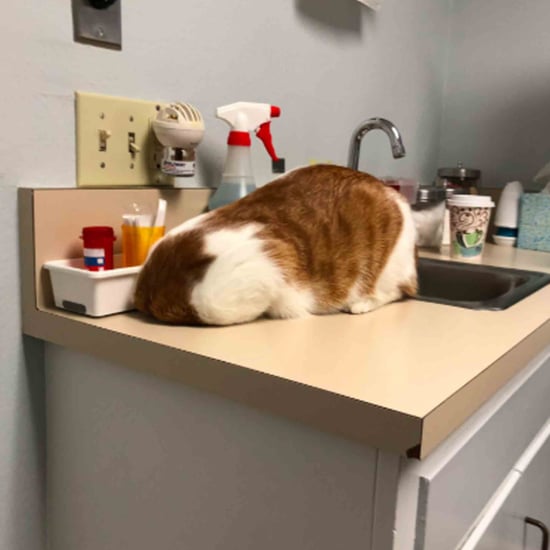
x: 397, y: 147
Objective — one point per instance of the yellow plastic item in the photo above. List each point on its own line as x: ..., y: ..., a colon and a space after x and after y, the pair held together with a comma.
x: 136, y: 242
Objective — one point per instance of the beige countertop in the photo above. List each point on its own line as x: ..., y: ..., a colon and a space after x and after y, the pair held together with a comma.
x: 402, y: 377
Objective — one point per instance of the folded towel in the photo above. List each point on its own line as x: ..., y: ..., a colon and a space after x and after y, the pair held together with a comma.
x: 373, y: 4
x: 534, y: 222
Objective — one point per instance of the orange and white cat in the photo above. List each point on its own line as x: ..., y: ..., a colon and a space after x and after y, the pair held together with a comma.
x: 317, y: 240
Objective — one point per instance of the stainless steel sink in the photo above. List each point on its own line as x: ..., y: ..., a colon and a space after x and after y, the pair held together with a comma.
x: 475, y: 286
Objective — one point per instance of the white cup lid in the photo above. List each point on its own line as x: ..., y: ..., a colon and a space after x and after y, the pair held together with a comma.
x: 479, y: 201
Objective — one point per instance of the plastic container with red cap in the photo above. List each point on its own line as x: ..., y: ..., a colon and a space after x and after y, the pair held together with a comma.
x: 98, y: 247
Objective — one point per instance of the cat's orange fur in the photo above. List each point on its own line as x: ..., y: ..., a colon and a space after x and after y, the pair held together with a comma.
x: 329, y: 232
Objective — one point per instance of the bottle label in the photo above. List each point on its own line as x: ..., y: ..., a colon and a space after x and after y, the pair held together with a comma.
x: 94, y: 258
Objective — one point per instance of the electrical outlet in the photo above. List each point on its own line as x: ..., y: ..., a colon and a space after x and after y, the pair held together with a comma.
x: 97, y: 22
x: 115, y: 144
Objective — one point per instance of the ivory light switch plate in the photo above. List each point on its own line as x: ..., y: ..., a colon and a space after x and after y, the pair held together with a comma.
x: 115, y: 144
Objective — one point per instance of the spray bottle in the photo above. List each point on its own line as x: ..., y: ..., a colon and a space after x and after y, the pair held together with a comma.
x: 237, y: 178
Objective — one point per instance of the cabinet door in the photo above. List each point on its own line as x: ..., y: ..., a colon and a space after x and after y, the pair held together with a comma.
x: 440, y: 497
x: 529, y: 498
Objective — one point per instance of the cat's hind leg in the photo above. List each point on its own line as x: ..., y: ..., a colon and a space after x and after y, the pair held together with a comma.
x: 369, y: 303
x: 291, y: 303
x: 398, y: 277
x: 361, y: 306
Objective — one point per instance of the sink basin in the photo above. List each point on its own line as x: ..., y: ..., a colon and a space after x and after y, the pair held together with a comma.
x: 475, y: 286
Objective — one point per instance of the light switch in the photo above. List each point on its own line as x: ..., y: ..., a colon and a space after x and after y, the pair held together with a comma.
x: 97, y: 22
x: 115, y: 145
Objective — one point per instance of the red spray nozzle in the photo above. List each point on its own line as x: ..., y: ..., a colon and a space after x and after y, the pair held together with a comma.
x: 275, y: 111
x: 264, y: 134
x: 244, y: 117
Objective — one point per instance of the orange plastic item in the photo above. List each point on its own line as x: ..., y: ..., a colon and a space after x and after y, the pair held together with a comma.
x: 136, y: 242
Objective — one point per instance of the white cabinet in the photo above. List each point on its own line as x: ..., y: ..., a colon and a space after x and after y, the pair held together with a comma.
x: 138, y: 462
x: 441, y: 498
x: 529, y: 498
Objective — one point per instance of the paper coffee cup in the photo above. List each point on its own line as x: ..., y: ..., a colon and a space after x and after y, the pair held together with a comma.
x: 469, y: 219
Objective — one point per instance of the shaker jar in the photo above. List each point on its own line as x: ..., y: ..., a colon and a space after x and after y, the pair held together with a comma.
x: 460, y: 179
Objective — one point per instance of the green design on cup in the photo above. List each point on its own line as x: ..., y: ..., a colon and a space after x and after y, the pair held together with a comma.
x: 468, y: 245
x: 470, y: 240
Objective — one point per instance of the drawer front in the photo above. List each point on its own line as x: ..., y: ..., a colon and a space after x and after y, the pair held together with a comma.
x: 454, y: 489
x: 524, y: 494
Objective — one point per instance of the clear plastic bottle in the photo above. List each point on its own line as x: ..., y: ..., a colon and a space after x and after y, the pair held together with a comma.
x: 230, y: 190
x: 237, y: 179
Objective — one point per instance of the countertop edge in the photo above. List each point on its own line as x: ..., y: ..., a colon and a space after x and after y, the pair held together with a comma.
x: 450, y: 414
x: 329, y: 412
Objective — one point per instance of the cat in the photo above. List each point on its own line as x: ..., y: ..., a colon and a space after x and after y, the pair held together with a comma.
x: 317, y: 240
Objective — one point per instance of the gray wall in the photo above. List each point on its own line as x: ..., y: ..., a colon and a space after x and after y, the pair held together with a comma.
x: 327, y: 63
x: 497, y: 100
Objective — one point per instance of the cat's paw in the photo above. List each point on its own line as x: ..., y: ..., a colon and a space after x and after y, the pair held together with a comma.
x: 364, y: 306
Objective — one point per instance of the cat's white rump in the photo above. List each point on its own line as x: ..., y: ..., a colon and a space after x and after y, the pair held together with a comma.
x: 243, y: 283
